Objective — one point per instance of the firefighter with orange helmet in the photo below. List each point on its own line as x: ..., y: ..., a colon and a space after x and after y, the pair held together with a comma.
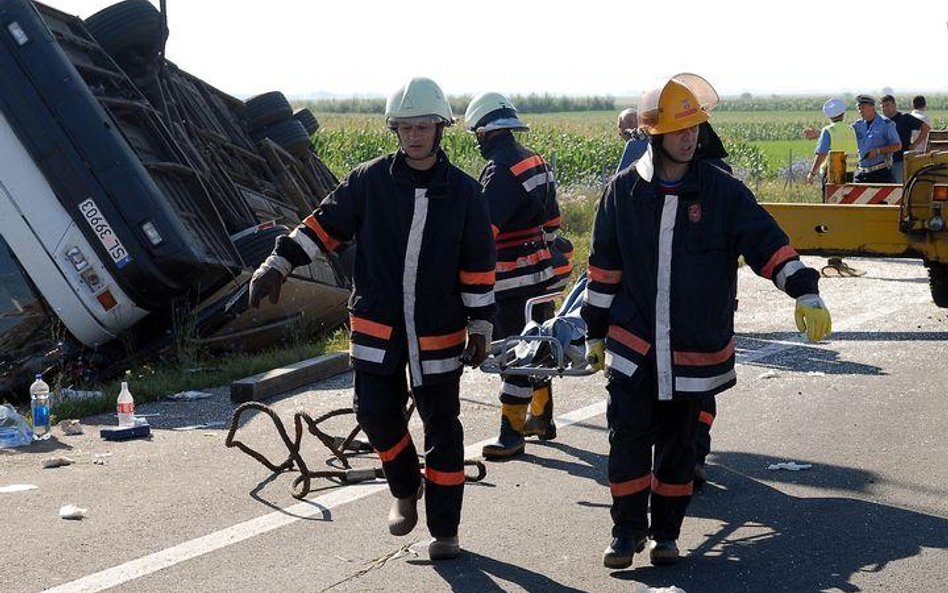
x: 659, y: 309
x: 532, y: 258
x: 422, y: 287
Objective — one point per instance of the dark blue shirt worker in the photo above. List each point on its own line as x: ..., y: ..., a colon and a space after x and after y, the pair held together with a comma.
x: 878, y: 140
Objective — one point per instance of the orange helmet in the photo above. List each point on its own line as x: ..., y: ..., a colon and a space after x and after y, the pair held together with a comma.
x: 671, y: 108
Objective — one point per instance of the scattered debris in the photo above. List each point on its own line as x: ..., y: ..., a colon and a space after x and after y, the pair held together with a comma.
x: 188, y: 396
x: 771, y: 374
x: 51, y: 462
x: 78, y: 395
x: 672, y: 589
x: 213, y: 424
x: 816, y: 374
x: 71, y: 427
x: 100, y: 458
x: 17, y: 488
x: 792, y: 466
x: 71, y: 511
x: 126, y: 432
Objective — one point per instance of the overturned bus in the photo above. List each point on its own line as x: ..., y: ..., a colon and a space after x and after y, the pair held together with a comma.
x: 134, y: 195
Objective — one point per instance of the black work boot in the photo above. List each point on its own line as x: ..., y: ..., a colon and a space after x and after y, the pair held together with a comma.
x: 664, y: 552
x: 539, y: 421
x: 510, y: 441
x: 620, y: 551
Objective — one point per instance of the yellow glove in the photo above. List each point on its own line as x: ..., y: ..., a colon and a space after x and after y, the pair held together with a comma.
x: 813, y: 317
x: 596, y: 354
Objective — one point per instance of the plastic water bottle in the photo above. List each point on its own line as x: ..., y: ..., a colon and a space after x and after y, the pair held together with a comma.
x: 125, y: 407
x: 39, y: 403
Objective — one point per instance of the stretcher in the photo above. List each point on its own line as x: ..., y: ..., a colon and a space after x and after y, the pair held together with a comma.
x: 553, y: 348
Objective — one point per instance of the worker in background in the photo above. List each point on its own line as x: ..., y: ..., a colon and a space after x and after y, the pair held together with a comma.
x: 636, y: 140
x: 919, y: 104
x: 659, y: 310
x: 835, y: 136
x: 913, y: 134
x: 877, y: 140
x: 422, y: 286
x: 520, y: 193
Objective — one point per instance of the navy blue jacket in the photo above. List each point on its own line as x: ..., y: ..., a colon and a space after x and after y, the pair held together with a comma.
x: 424, y: 264
x: 520, y: 192
x: 662, y: 276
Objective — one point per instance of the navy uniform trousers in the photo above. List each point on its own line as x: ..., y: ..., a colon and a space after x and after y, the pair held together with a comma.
x: 380, y: 403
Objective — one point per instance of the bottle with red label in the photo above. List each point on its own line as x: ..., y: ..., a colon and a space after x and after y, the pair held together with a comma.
x: 126, y: 407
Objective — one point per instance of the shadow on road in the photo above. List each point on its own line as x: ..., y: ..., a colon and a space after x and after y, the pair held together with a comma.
x: 472, y: 572
x: 771, y: 541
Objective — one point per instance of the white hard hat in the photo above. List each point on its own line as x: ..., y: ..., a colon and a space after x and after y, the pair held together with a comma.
x: 834, y: 108
x: 419, y: 97
x: 492, y: 111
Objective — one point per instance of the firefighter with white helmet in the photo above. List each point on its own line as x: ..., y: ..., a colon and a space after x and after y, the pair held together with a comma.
x: 532, y: 258
x: 659, y: 309
x: 422, y: 287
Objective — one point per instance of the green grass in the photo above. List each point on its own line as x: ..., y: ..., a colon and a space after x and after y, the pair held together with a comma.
x: 151, y: 383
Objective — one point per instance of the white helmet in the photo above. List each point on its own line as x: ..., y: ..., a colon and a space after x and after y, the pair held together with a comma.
x: 419, y: 97
x: 492, y: 111
x: 834, y: 108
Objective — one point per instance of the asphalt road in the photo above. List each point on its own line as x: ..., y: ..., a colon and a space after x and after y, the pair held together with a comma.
x: 180, y: 512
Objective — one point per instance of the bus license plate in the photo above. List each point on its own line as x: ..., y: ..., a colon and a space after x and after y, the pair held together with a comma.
x: 102, y: 229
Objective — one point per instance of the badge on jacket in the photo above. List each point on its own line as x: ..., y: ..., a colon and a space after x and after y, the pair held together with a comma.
x: 694, y: 212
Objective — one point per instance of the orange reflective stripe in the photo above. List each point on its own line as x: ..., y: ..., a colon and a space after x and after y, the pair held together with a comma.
x: 563, y: 270
x: 553, y: 222
x: 627, y: 338
x: 706, y: 418
x: 666, y: 489
x: 444, y: 478
x: 705, y: 358
x: 604, y: 276
x: 325, y: 238
x: 390, y: 454
x: 527, y: 163
x: 444, y: 341
x: 477, y: 277
x: 630, y: 486
x: 523, y: 262
x: 370, y: 328
x: 781, y: 255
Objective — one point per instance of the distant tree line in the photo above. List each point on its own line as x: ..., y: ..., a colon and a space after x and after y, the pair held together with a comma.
x: 533, y: 103
x: 748, y: 102
x: 547, y: 103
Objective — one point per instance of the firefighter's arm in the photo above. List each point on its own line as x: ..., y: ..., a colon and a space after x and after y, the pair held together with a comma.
x: 767, y: 250
x: 476, y: 279
x: 502, y: 194
x: 333, y: 223
x: 604, y: 278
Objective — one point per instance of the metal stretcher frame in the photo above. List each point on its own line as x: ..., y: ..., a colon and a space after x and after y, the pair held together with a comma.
x: 497, y: 363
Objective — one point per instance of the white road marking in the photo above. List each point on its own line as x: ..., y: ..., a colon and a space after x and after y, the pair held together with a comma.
x: 134, y: 569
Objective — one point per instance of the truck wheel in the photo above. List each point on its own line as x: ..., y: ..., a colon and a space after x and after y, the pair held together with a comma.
x: 938, y: 282
x: 265, y: 110
x: 289, y: 134
x: 309, y: 121
x: 130, y: 31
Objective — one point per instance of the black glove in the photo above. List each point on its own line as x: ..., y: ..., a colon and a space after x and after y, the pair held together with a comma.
x: 266, y: 281
x: 476, y: 350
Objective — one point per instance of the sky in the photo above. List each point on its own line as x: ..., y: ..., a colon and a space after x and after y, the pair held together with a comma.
x: 593, y: 47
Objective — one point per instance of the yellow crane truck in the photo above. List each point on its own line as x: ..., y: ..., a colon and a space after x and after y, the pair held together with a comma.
x: 880, y: 220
